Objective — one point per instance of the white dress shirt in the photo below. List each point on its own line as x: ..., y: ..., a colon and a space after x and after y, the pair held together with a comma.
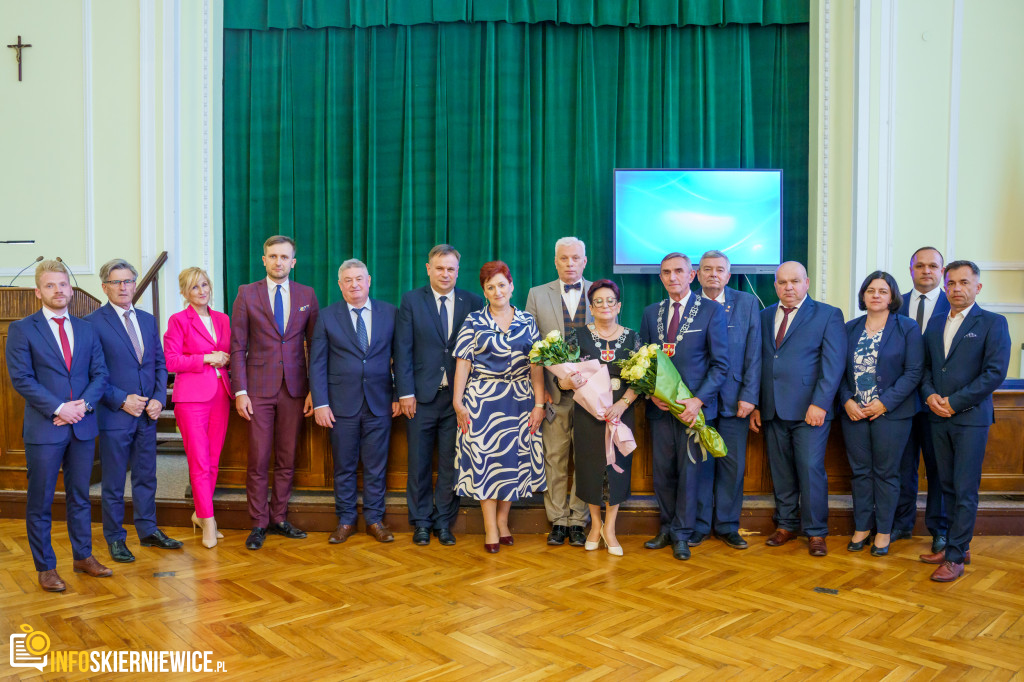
x: 719, y: 299
x: 571, y: 298
x: 119, y: 311
x: 929, y: 305
x: 55, y: 328
x: 953, y: 323
x: 367, y: 318
x: 779, y: 315
x: 286, y: 297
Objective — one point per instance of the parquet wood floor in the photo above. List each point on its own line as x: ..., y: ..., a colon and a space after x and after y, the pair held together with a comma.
x: 306, y: 610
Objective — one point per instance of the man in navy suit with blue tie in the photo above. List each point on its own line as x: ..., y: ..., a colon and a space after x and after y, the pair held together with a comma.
x: 803, y: 358
x: 127, y: 415
x: 721, y: 479
x: 693, y: 331
x: 966, y: 358
x: 928, y: 305
x: 353, y: 396
x: 56, y: 363
x: 429, y: 319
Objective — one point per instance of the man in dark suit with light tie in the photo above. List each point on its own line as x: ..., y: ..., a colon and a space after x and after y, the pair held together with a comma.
x: 127, y: 415
x: 928, y: 305
x: 350, y: 375
x: 966, y: 359
x: 429, y: 319
x: 693, y: 331
x: 272, y: 324
x: 56, y: 364
x: 721, y: 479
x: 803, y: 357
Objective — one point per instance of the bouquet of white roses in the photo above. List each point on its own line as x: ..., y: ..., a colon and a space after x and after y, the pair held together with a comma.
x: 553, y: 350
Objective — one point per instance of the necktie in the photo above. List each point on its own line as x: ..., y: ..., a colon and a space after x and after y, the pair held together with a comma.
x: 132, y: 336
x: 444, y: 319
x: 279, y: 310
x: 920, y: 312
x: 65, y: 344
x: 569, y: 287
x: 673, y: 324
x: 363, y: 338
x: 781, y: 334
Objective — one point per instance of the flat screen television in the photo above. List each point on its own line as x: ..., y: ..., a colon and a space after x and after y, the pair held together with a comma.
x: 660, y: 210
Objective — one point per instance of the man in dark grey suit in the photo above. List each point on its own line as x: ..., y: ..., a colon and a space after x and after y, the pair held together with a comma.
x: 429, y: 319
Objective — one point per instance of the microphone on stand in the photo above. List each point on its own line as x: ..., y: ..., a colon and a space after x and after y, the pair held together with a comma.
x: 68, y: 268
x: 11, y: 283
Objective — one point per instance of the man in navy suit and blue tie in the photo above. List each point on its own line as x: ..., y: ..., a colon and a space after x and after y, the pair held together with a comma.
x: 693, y: 331
x: 56, y: 363
x: 803, y: 358
x: 127, y: 415
x: 429, y: 319
x: 966, y: 358
x: 353, y: 396
x: 928, y: 305
x: 721, y: 479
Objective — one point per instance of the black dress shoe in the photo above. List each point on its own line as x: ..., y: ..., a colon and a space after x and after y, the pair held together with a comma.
x: 879, y: 551
x: 577, y: 538
x: 734, y: 540
x: 938, y: 543
x: 256, y: 538
x: 286, y: 529
x: 658, y: 541
x: 158, y: 539
x: 421, y: 536
x: 681, y: 550
x: 901, y: 534
x: 852, y: 546
x: 445, y: 536
x: 696, y: 538
x: 557, y: 535
x: 120, y: 553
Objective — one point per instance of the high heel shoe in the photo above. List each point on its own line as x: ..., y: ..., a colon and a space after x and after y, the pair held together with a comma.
x: 198, y: 523
x: 492, y: 548
x: 879, y: 551
x: 591, y: 546
x: 507, y: 540
x: 614, y: 551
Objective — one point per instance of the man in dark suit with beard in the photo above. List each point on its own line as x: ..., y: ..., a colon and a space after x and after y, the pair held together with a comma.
x: 429, y: 319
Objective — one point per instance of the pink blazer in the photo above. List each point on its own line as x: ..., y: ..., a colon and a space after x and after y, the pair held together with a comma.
x: 185, y: 343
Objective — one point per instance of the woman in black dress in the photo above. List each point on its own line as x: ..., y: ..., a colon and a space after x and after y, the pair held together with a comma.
x: 605, y: 340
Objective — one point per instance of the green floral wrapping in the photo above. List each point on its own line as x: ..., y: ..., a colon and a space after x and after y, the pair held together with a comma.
x: 669, y: 387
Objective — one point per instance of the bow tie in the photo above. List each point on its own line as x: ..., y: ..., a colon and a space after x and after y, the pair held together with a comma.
x: 568, y: 287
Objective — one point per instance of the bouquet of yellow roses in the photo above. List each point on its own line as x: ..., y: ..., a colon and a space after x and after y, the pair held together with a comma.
x: 650, y: 372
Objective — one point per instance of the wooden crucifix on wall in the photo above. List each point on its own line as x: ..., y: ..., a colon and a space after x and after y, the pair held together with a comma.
x: 19, y: 46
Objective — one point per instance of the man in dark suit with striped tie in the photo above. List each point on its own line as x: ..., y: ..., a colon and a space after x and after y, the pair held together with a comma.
x: 927, y: 304
x: 429, y: 319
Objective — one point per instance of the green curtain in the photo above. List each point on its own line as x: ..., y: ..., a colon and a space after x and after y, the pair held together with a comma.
x: 495, y: 137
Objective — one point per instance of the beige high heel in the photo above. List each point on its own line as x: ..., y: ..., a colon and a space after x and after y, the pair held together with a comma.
x: 591, y: 546
x: 614, y: 551
x: 198, y: 523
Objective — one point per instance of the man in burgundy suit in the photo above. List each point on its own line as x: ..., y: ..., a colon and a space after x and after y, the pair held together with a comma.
x: 271, y: 327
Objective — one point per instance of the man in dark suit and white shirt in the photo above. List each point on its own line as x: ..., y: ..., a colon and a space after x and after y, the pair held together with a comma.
x: 927, y: 304
x: 429, y: 319
x: 56, y: 364
x: 721, y: 480
x: 803, y: 358
x: 693, y: 332
x: 353, y: 396
x: 127, y: 415
x: 966, y: 358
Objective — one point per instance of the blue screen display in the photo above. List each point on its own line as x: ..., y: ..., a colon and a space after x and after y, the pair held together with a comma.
x: 659, y: 211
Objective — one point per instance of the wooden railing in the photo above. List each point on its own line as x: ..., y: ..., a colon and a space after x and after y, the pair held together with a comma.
x: 150, y: 278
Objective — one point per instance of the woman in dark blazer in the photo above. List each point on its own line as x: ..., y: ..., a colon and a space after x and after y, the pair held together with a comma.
x: 884, y: 363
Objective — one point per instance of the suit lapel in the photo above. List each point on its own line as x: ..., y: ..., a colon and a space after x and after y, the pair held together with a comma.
x: 555, y: 296
x: 263, y: 296
x: 461, y: 311
x: 49, y: 340
x: 111, y: 317
x: 431, y: 303
x: 887, y: 332
x: 348, y: 328
x: 82, y: 343
x: 969, y: 322
x: 802, y: 314
x: 730, y: 303
x: 197, y: 324
x: 293, y: 308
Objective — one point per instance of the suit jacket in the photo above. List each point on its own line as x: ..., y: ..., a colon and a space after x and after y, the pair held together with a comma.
x: 125, y: 373
x: 340, y: 374
x: 702, y: 357
x: 422, y: 355
x: 261, y: 357
x: 807, y: 368
x: 975, y: 367
x: 898, y: 368
x: 36, y: 366
x: 187, y: 341
x: 544, y: 302
x: 743, y: 380
x: 939, y: 313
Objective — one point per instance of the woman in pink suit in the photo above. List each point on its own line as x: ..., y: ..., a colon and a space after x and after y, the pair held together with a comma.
x: 197, y: 345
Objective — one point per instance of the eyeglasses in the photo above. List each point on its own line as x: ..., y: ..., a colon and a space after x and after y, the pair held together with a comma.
x: 604, y: 302
x: 118, y: 282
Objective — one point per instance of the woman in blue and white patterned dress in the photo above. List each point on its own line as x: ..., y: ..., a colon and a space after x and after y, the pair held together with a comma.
x: 499, y: 405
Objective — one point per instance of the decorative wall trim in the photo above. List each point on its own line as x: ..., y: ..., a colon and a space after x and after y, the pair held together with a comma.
x: 147, y: 132
x: 90, y: 195
x: 826, y: 80
x: 1002, y: 308
x: 886, y: 140
x: 171, y: 157
x: 861, y: 147
x: 1011, y: 266
x: 954, y: 128
x: 206, y: 135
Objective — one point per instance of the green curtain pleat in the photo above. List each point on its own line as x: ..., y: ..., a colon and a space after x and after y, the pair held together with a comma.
x: 495, y: 137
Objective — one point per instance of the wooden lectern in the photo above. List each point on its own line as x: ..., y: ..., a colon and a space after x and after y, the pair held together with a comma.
x: 16, y: 303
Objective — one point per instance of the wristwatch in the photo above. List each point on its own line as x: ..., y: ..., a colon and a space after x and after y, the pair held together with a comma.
x: 88, y: 407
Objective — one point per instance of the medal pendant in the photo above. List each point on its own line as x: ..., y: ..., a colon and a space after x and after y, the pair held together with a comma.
x: 607, y: 355
x: 669, y: 349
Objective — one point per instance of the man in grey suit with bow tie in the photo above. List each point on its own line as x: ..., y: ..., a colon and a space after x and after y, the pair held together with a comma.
x: 562, y: 305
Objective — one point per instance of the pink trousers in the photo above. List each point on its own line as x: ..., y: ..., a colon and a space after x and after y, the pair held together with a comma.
x: 203, y: 426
